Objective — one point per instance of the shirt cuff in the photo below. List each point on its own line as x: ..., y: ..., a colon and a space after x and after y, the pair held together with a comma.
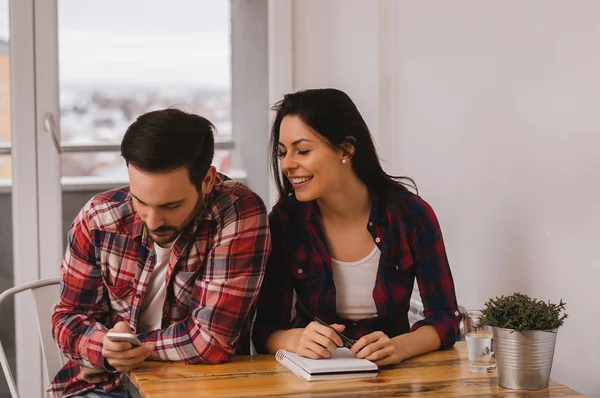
x: 94, y: 351
x: 447, y: 326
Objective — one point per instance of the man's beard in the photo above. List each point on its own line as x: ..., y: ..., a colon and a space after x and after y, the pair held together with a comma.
x: 166, y: 234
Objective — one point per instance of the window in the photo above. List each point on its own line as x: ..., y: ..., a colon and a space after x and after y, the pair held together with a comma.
x: 119, y: 59
x: 5, y: 163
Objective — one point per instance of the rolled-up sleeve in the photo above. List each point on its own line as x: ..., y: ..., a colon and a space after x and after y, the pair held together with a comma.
x: 434, y: 277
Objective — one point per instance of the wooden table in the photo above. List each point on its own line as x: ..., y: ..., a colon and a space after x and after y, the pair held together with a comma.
x: 437, y: 374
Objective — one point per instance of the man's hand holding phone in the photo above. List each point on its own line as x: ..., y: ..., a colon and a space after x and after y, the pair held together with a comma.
x: 93, y: 376
x: 121, y: 349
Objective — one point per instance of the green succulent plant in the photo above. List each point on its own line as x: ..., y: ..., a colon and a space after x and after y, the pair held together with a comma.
x: 520, y: 312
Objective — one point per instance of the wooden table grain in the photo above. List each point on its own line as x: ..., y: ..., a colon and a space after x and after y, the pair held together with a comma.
x: 437, y: 374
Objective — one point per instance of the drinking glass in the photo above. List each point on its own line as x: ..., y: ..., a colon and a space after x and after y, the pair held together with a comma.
x: 480, y: 343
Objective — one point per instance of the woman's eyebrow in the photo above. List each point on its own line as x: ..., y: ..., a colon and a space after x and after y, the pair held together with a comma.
x: 298, y: 141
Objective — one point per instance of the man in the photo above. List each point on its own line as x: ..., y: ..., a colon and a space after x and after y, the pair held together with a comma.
x: 177, y: 258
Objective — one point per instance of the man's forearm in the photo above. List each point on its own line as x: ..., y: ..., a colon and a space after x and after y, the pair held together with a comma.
x: 176, y: 344
x: 80, y: 339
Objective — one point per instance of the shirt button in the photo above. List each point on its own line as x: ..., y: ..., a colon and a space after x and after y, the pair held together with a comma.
x: 456, y: 313
x: 377, y: 240
x: 300, y: 270
x: 370, y: 223
x: 138, y: 295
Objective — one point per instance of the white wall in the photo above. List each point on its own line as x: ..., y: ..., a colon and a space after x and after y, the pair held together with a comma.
x: 498, y: 118
x: 336, y: 43
x: 495, y: 114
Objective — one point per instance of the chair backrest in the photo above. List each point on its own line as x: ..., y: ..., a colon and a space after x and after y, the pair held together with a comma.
x: 45, y: 297
x: 45, y: 293
x: 416, y: 311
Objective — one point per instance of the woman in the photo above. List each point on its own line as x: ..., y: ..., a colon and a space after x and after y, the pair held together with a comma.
x: 349, y: 241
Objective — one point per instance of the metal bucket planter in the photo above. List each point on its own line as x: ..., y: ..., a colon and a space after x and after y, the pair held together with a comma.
x: 524, y: 360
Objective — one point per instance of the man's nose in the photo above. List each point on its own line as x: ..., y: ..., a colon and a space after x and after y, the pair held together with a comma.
x: 154, y: 219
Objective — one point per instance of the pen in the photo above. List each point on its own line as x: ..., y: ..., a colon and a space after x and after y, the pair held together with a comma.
x: 348, y: 342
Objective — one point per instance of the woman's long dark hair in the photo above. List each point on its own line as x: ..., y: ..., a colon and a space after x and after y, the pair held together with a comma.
x: 332, y: 115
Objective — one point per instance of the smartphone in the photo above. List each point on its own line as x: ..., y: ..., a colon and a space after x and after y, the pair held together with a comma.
x: 124, y: 338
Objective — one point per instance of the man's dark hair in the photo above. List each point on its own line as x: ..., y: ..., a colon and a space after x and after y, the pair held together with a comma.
x: 166, y: 140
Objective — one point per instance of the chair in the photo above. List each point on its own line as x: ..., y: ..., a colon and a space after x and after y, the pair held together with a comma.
x: 45, y: 295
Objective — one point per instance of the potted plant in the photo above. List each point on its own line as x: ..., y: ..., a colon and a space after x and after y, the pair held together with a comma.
x: 524, y: 332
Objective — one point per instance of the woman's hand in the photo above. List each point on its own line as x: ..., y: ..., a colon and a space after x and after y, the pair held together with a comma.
x: 379, y: 348
x: 316, y: 341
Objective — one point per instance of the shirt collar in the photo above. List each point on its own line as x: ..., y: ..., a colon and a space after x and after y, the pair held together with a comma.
x: 378, y: 210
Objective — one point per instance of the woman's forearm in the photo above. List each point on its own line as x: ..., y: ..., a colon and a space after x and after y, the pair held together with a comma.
x: 420, y: 341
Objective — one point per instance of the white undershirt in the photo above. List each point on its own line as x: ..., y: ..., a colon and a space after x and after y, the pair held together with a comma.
x: 354, y: 285
x: 154, y: 299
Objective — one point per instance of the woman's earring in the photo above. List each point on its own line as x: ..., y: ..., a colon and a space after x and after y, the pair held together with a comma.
x: 344, y: 161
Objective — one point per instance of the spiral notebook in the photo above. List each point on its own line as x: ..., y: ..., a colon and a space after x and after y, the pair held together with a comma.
x: 342, y: 365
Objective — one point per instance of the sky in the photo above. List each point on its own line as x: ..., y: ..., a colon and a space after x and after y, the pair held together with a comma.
x: 141, y: 42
